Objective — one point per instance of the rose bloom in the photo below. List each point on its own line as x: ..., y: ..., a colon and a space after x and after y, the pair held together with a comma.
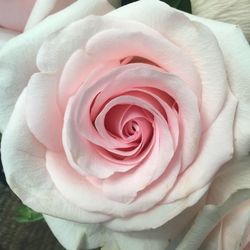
x: 116, y: 121
x: 16, y: 16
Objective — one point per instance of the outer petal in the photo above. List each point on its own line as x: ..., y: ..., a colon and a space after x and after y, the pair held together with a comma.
x: 209, y: 160
x: 22, y: 153
x: 159, y: 238
x: 74, y: 235
x: 230, y: 11
x: 85, y: 236
x: 42, y: 113
x: 6, y: 35
x: 233, y: 229
x: 43, y: 8
x: 194, y: 40
x: 237, y: 223
x: 231, y: 188
x: 14, y: 13
x: 235, y: 49
x: 23, y: 49
x: 236, y: 53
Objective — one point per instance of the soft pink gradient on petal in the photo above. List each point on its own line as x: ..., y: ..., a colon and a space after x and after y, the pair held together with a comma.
x: 195, y: 40
x: 15, y: 13
x: 6, y: 35
x: 42, y: 113
x: 22, y: 153
x: 75, y: 187
x: 13, y: 77
x: 211, y: 156
x: 44, y: 8
x: 146, y: 43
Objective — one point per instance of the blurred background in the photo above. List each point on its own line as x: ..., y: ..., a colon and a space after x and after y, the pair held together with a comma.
x: 22, y: 236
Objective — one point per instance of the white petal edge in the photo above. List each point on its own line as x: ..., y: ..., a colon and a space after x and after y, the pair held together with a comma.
x: 212, y: 214
x: 6, y: 35
x: 236, y: 51
x: 24, y: 165
x: 73, y: 235
x: 44, y: 8
x: 23, y: 49
x: 88, y: 236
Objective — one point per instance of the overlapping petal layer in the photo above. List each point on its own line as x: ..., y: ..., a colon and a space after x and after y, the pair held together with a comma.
x: 125, y: 116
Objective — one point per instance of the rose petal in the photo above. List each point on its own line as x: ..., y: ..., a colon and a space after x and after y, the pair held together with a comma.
x: 147, y: 171
x: 79, y: 68
x: 6, y: 35
x: 147, y: 44
x: 74, y: 235
x: 233, y: 229
x: 159, y: 238
x: 22, y: 153
x: 23, y: 48
x: 212, y: 155
x: 154, y: 217
x: 209, y: 216
x: 213, y: 213
x: 236, y: 54
x: 195, y: 41
x: 92, y: 29
x: 43, y: 8
x: 14, y: 14
x: 42, y: 113
x: 74, y: 187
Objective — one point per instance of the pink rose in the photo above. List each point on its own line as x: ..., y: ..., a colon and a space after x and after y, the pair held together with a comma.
x: 224, y: 222
x: 122, y: 119
x: 19, y: 15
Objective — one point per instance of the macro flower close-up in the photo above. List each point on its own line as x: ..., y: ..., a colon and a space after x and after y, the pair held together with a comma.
x: 123, y: 125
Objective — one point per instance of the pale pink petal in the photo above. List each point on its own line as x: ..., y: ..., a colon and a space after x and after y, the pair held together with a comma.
x: 236, y: 227
x: 95, y: 167
x: 157, y: 216
x: 6, y: 35
x: 139, y: 75
x: 160, y: 238
x: 15, y: 13
x: 22, y: 153
x: 75, y: 148
x: 24, y: 48
x: 44, y: 8
x: 81, y: 152
x: 74, y: 187
x: 195, y: 41
x: 146, y: 43
x: 215, y: 150
x: 150, y: 169
x: 42, y: 112
x: 236, y: 52
x: 229, y: 190
x: 78, y: 69
x: 73, y: 235
x: 103, y: 120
